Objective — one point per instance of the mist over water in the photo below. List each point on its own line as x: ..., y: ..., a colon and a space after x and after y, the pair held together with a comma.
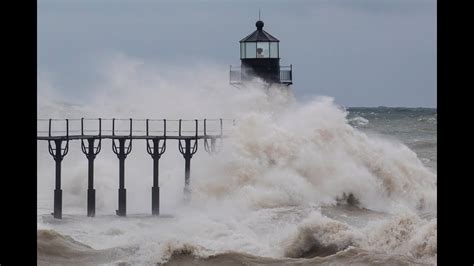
x: 294, y: 182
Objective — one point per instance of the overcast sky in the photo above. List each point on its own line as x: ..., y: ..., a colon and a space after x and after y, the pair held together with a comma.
x: 361, y: 52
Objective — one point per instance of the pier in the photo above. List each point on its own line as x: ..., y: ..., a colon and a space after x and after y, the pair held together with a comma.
x: 122, y: 133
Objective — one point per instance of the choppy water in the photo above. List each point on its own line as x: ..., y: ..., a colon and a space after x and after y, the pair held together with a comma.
x: 301, y: 184
x: 415, y: 127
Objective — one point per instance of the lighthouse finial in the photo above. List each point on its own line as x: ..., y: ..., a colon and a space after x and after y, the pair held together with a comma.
x: 259, y: 23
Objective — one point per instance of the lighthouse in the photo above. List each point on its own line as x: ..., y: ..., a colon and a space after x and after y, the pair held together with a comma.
x: 260, y: 57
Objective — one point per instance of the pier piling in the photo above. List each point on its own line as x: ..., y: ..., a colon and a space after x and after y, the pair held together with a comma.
x: 58, y: 154
x: 155, y: 151
x: 91, y: 151
x: 188, y: 151
x: 122, y: 151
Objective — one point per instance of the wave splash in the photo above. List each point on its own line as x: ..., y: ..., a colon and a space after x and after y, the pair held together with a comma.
x: 311, y: 155
x: 260, y: 199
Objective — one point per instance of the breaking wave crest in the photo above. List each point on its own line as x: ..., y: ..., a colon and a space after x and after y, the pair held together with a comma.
x: 359, y: 121
x: 404, y: 233
x: 57, y: 249
x: 311, y: 155
x: 350, y: 256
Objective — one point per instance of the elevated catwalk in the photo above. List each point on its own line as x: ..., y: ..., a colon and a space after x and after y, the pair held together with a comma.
x: 122, y: 132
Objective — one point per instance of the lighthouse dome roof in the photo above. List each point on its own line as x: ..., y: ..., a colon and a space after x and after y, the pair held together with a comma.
x: 259, y: 35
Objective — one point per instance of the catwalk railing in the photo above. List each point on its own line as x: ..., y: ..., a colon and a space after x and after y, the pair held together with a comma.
x: 156, y: 132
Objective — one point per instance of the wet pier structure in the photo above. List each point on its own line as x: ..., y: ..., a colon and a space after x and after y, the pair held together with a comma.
x: 123, y: 132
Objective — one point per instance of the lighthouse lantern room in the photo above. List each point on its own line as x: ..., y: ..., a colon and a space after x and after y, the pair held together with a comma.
x: 260, y: 57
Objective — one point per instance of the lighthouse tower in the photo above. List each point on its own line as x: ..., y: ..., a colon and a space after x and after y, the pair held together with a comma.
x: 260, y: 57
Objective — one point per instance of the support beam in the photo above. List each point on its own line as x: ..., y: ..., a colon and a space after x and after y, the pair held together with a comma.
x: 155, y: 190
x: 155, y: 151
x: 122, y: 151
x: 187, y: 165
x: 58, y: 154
x: 90, y: 180
x: 58, y: 193
x: 187, y: 151
x: 91, y: 152
x: 122, y: 193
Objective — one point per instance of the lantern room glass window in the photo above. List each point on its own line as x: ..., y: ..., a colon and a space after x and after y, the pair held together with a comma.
x: 274, y: 53
x: 263, y: 50
x: 250, y: 50
x: 259, y: 50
